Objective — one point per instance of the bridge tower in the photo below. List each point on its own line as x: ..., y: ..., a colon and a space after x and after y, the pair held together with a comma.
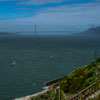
x: 35, y: 31
x: 93, y: 27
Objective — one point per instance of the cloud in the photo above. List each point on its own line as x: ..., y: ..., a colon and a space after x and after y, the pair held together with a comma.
x: 67, y: 15
x: 97, y: 0
x: 41, y: 2
x: 8, y: 0
x: 37, y: 2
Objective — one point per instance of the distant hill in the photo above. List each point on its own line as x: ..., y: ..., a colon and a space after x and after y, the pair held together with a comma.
x: 4, y: 33
x: 92, y: 31
x: 7, y: 33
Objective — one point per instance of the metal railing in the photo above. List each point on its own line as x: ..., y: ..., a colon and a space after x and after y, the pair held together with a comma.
x: 87, y: 91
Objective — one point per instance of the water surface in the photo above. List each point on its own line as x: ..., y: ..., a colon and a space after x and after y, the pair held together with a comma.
x: 40, y: 59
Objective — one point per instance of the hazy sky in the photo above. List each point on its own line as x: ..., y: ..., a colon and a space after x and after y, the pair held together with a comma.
x: 18, y: 15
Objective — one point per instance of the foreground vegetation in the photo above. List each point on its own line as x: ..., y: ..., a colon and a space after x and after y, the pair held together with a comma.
x: 80, y: 78
x: 50, y: 95
x: 96, y: 98
x: 77, y: 80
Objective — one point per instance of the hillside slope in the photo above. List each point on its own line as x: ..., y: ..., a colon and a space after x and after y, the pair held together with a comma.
x: 92, y: 31
x: 76, y: 81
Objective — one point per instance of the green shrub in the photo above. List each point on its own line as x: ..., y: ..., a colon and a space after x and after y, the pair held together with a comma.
x: 80, y: 78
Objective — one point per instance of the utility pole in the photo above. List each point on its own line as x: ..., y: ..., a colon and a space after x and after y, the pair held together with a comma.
x: 98, y: 69
x: 83, y: 59
x: 95, y: 54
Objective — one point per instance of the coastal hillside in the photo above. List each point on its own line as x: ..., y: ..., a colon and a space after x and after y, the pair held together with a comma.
x: 92, y: 31
x: 5, y: 33
x: 73, y: 83
x: 80, y: 78
x: 8, y: 33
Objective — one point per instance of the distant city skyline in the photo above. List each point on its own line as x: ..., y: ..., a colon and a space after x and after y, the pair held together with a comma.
x: 22, y: 15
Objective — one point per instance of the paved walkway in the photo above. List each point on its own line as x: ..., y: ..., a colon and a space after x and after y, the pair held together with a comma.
x: 93, y: 95
x: 29, y: 96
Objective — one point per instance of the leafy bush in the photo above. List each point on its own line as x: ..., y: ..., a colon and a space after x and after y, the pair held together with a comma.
x: 80, y: 78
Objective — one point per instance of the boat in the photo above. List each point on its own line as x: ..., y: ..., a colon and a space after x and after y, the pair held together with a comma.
x: 13, y: 63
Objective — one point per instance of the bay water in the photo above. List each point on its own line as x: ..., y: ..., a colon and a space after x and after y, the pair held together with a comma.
x: 40, y: 59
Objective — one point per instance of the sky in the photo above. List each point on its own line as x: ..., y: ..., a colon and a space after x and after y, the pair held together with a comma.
x: 61, y: 15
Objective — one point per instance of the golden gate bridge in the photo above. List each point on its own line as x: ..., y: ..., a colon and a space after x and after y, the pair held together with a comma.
x: 35, y: 32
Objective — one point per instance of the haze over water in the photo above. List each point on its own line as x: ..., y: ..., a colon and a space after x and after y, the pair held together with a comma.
x: 39, y: 60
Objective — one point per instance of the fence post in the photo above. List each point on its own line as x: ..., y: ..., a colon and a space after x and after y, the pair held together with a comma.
x: 59, y: 94
x: 98, y: 85
x: 90, y: 91
x: 80, y: 96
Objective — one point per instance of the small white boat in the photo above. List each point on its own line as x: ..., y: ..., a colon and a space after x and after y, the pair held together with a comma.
x: 13, y: 63
x: 51, y: 57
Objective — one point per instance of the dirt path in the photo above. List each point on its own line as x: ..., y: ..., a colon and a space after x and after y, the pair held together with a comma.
x: 93, y: 95
x: 69, y: 96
